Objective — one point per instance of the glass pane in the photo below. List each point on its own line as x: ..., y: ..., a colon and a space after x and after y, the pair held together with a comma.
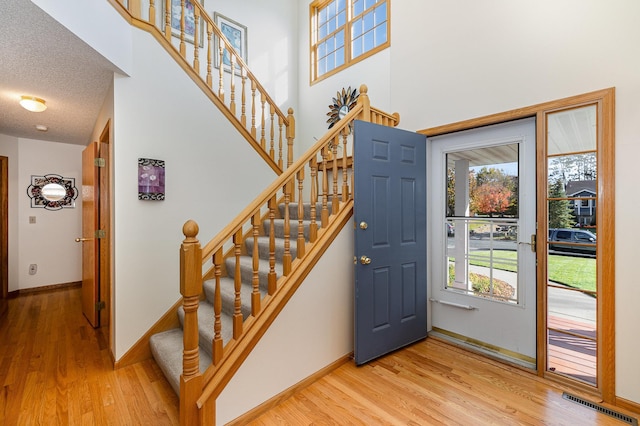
x: 369, y: 3
x: 574, y: 167
x: 381, y: 34
x: 356, y: 48
x: 342, y: 18
x: 356, y: 28
x: 368, y: 41
x: 339, y: 39
x: 368, y: 21
x: 322, y: 66
x: 572, y: 130
x: 339, y: 57
x: 358, y: 7
x: 483, y: 258
x: 482, y: 222
x: 381, y: 14
x: 322, y: 31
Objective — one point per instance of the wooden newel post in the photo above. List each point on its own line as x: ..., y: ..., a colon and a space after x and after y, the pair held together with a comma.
x: 363, y: 99
x: 190, y: 288
x: 291, y: 135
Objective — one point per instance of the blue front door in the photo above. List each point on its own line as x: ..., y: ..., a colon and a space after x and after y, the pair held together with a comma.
x: 390, y: 239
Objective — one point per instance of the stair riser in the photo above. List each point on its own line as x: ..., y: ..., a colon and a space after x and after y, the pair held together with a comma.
x: 293, y: 210
x: 278, y: 228
x: 263, y: 248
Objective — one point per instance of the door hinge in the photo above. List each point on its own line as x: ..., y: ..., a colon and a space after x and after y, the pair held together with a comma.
x: 100, y: 305
x: 100, y: 233
x: 99, y: 162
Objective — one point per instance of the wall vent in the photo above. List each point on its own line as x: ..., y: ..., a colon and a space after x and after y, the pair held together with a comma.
x: 604, y: 410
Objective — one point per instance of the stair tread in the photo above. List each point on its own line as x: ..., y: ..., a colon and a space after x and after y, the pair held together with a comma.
x: 227, y: 294
x: 167, y: 348
x: 206, y: 321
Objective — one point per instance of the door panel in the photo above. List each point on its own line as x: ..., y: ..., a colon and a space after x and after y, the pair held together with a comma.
x: 390, y: 239
x: 90, y: 273
x: 483, y: 213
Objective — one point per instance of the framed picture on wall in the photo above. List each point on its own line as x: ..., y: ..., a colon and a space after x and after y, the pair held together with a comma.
x: 150, y: 179
x: 237, y: 35
x: 189, y: 20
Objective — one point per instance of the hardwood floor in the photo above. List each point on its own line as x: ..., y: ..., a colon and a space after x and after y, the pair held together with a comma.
x: 431, y: 383
x: 56, y: 370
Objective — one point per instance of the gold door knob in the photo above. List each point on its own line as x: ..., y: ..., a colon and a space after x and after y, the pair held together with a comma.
x: 363, y: 225
x: 365, y: 260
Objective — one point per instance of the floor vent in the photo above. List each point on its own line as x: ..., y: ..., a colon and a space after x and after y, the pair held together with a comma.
x: 604, y: 410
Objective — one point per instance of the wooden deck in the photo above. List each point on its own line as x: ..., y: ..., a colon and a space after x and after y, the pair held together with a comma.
x: 570, y: 354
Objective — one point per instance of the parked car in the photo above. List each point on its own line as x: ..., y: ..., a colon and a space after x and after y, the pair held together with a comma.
x: 586, y: 239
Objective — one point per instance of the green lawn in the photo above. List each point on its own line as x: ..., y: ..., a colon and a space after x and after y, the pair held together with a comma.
x: 578, y: 272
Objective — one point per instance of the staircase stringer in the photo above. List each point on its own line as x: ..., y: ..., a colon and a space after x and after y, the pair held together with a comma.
x: 249, y: 134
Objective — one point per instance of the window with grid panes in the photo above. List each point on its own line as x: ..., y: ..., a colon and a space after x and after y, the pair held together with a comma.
x: 346, y: 31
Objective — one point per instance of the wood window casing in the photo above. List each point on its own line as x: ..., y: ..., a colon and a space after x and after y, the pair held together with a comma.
x: 605, y: 211
x: 348, y: 36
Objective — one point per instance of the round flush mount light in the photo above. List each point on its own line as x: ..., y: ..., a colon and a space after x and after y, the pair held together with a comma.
x: 33, y: 104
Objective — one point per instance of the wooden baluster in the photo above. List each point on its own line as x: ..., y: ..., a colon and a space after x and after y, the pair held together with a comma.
x: 272, y: 153
x: 183, y: 47
x: 209, y: 50
x: 313, y: 227
x: 345, y: 174
x: 324, y: 212
x: 196, y: 40
x: 167, y: 19
x: 253, y: 109
x: 280, y: 122
x: 255, y: 281
x: 335, y: 201
x: 135, y: 8
x: 271, y: 286
x: 237, y: 304
x: 221, y: 69
x: 300, y: 249
x: 218, y: 258
x: 243, y: 115
x: 263, y: 141
x: 190, y: 288
x: 291, y: 135
x: 286, y: 258
x: 232, y: 105
x: 152, y: 12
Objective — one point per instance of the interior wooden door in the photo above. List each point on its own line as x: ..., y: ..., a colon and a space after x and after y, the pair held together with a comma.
x: 90, y: 264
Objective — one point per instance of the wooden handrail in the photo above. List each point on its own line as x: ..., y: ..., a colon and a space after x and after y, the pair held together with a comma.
x: 277, y: 128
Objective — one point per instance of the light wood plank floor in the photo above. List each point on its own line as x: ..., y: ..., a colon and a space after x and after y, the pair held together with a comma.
x: 55, y: 370
x: 431, y: 383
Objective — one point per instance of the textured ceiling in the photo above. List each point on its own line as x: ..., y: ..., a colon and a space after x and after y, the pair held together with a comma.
x: 40, y: 57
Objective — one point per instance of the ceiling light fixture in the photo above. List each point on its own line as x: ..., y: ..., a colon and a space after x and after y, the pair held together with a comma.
x: 33, y: 104
x: 41, y: 127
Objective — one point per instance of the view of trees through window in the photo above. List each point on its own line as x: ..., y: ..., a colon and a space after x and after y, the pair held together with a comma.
x: 493, y: 192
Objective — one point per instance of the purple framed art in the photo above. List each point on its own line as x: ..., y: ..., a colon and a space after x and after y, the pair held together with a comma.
x: 150, y: 179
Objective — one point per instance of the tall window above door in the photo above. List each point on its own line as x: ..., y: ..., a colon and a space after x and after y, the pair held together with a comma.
x: 344, y: 32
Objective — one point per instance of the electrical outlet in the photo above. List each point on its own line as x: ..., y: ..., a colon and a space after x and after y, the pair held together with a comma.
x: 32, y: 219
x: 33, y: 269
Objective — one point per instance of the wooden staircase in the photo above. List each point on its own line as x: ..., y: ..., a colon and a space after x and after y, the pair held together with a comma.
x: 256, y: 263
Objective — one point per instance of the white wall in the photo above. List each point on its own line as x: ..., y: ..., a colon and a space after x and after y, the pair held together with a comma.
x: 313, y: 330
x: 9, y: 149
x: 50, y: 242
x: 211, y: 175
x: 457, y: 60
